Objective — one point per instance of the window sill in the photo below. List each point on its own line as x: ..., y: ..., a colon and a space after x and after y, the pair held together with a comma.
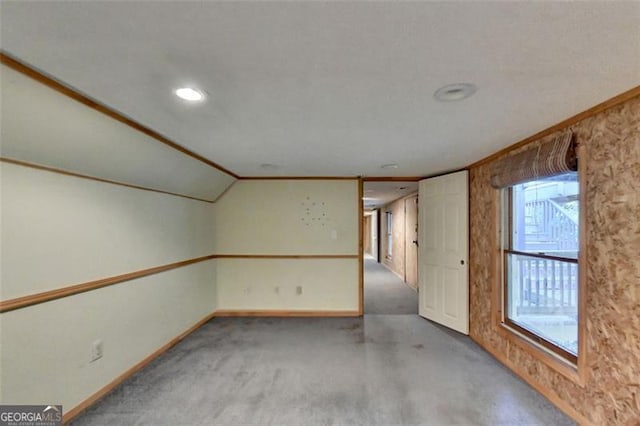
x: 552, y: 360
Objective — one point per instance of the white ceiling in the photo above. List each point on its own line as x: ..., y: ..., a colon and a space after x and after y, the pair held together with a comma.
x: 378, y: 194
x: 336, y: 88
x: 36, y: 129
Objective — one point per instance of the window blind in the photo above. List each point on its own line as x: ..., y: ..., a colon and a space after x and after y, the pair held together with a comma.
x: 538, y: 160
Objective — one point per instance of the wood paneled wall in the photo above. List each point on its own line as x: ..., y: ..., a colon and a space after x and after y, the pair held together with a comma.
x: 395, y: 262
x: 611, y: 392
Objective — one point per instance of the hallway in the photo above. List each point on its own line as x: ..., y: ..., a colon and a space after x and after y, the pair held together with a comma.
x: 385, y: 293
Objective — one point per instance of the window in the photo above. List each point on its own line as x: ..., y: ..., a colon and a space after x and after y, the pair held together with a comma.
x: 541, y: 261
x: 389, y: 234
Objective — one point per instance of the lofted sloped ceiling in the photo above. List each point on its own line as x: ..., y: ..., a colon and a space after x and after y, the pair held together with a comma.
x: 43, y: 128
x: 335, y: 88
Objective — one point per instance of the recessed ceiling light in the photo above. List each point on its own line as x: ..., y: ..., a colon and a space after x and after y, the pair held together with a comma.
x: 389, y: 166
x: 455, y: 92
x: 189, y: 94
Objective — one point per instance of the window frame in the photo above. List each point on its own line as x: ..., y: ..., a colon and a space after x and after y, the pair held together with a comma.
x: 507, y: 250
x: 577, y: 374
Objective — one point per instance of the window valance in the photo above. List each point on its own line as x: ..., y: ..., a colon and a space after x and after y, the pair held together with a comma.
x: 538, y: 160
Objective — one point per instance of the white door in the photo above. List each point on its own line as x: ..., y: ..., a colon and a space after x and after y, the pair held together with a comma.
x: 443, y: 227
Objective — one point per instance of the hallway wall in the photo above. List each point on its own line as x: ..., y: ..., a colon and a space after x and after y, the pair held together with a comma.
x: 374, y: 233
x: 367, y: 233
x: 395, y: 260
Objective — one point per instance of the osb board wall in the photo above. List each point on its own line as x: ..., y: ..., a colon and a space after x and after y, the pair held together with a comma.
x: 611, y: 394
x: 396, y: 262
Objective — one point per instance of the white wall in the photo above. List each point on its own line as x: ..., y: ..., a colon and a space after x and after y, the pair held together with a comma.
x: 270, y: 284
x: 288, y: 217
x: 42, y: 126
x: 59, y: 230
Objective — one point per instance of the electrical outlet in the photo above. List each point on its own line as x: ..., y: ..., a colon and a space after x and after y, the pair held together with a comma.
x: 276, y: 290
x: 299, y: 290
x: 247, y: 290
x: 96, y: 350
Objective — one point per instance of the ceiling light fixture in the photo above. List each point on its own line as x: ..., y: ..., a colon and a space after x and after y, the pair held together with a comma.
x: 189, y: 94
x: 455, y: 92
x: 389, y: 166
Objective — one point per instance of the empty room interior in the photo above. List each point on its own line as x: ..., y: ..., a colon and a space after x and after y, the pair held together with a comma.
x: 320, y: 213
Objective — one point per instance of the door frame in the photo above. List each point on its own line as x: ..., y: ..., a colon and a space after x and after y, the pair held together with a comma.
x: 408, y: 246
x: 361, y: 181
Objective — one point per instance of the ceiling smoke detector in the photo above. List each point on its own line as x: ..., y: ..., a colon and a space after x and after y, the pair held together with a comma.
x: 455, y: 92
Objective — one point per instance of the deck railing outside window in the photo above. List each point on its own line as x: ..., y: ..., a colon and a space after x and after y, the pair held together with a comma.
x: 542, y: 260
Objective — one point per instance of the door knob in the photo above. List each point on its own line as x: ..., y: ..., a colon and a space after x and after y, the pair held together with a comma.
x: 415, y: 242
x: 462, y: 262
